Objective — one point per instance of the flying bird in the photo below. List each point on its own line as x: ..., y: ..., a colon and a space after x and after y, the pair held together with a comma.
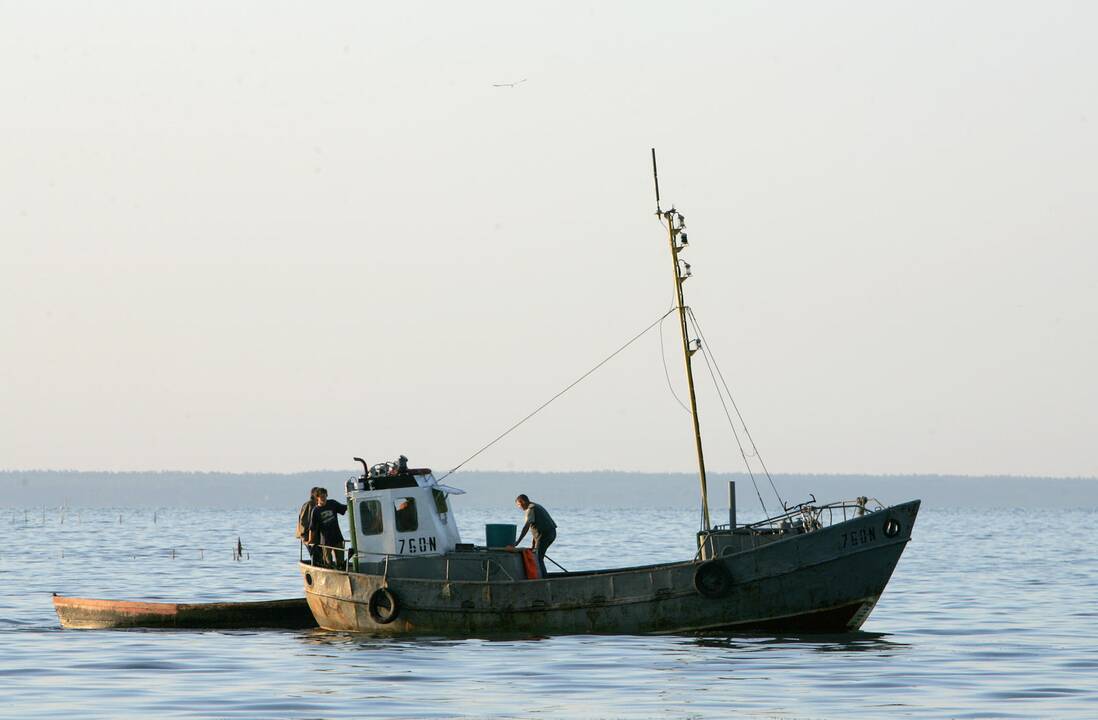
x: 510, y: 84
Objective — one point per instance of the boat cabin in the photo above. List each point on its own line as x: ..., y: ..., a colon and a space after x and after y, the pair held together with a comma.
x: 402, y: 525
x: 401, y: 512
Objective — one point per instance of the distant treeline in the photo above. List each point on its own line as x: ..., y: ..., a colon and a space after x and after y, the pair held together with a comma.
x: 37, y: 488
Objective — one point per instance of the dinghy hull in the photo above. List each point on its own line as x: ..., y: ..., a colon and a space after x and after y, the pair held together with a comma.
x: 89, y: 613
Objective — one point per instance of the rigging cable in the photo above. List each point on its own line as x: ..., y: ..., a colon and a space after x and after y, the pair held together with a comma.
x: 747, y: 432
x: 666, y: 374
x: 545, y: 404
x: 732, y: 426
x: 674, y: 306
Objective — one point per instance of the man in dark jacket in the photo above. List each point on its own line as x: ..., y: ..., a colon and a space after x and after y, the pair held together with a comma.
x: 324, y: 529
x: 541, y: 526
x: 304, y: 521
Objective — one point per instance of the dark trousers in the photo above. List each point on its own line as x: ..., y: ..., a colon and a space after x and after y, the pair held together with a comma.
x: 542, y: 541
x: 335, y: 557
x: 331, y: 554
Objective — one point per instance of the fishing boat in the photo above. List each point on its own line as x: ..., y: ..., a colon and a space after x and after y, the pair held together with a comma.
x: 813, y: 567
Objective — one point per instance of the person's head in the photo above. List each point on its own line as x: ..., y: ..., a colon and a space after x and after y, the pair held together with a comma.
x: 522, y: 501
x: 312, y: 492
x: 321, y: 495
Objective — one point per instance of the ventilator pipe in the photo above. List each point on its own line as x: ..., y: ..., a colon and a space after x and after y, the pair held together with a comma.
x: 731, y: 504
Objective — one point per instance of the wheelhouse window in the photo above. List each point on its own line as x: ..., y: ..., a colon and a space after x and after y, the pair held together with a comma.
x: 407, y: 519
x: 369, y: 517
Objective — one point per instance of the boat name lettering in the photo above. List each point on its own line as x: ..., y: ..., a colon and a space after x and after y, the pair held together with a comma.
x: 862, y: 536
x: 411, y: 546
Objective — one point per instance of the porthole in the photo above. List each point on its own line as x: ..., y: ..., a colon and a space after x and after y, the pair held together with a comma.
x: 891, y: 528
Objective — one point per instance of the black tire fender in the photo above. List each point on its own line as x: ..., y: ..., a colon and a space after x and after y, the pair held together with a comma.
x: 378, y: 611
x: 712, y: 579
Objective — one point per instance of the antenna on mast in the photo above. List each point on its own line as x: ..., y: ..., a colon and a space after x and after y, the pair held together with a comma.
x: 656, y: 179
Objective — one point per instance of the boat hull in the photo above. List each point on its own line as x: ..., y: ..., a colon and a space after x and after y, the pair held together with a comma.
x: 825, y: 581
x: 90, y: 613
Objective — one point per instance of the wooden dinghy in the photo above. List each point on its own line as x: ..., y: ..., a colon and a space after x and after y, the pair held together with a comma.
x: 88, y: 613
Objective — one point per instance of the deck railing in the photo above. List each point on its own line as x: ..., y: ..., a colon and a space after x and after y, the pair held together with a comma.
x: 489, y: 562
x: 808, y: 516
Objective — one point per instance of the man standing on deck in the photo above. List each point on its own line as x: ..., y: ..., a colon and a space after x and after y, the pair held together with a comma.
x: 324, y: 529
x: 541, y: 526
x: 304, y: 522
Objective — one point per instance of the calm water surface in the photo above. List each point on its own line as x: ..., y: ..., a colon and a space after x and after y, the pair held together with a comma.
x: 989, y: 614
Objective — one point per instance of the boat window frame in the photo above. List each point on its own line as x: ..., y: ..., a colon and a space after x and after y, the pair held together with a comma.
x: 364, y: 513
x: 412, y: 513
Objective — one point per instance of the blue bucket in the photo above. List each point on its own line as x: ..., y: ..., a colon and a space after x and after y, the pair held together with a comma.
x: 499, y: 535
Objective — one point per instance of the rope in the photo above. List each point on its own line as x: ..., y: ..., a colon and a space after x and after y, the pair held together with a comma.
x: 545, y: 404
x: 732, y: 400
x: 556, y: 563
x: 666, y: 374
x: 732, y: 426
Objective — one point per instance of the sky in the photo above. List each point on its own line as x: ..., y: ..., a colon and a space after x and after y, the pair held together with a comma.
x: 261, y: 236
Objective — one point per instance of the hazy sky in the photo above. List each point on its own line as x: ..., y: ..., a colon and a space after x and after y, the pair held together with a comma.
x: 270, y: 236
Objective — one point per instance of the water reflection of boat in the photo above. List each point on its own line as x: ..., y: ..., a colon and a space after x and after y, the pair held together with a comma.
x: 855, y: 641
x: 811, y: 568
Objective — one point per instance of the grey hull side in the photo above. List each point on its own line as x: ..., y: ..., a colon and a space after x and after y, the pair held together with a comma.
x: 822, y: 581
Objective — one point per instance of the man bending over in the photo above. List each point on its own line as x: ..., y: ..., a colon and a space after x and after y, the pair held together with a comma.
x: 541, y: 526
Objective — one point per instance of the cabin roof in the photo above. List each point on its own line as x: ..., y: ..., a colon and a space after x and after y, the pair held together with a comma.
x: 400, y: 480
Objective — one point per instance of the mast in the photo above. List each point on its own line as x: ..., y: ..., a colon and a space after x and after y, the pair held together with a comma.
x: 676, y: 224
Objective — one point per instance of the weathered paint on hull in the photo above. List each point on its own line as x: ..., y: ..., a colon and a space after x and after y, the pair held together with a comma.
x: 94, y: 614
x: 823, y: 581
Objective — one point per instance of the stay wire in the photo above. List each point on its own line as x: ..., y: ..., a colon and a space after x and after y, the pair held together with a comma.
x: 732, y: 425
x: 663, y: 357
x: 732, y: 400
x: 747, y: 431
x: 545, y: 404
x: 663, y: 352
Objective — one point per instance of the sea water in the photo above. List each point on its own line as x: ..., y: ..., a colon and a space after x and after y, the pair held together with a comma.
x: 989, y: 614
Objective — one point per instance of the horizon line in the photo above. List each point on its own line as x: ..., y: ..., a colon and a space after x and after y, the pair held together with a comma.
x: 288, y: 473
